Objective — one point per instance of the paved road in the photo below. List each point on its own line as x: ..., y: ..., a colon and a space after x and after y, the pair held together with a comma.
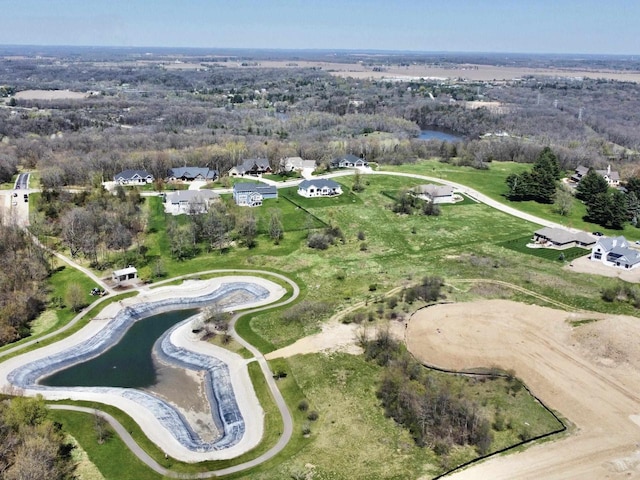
x: 271, y: 382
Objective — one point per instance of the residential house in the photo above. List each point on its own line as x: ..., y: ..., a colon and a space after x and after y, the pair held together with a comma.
x: 435, y: 193
x: 133, y: 177
x: 189, y: 174
x: 251, y: 166
x: 252, y: 194
x: 319, y: 188
x: 561, y: 238
x: 124, y: 275
x: 296, y: 164
x: 189, y: 201
x: 611, y: 176
x: 348, y: 161
x: 615, y: 252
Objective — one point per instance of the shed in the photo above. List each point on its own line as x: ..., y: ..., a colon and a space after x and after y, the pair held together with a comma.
x: 125, y: 274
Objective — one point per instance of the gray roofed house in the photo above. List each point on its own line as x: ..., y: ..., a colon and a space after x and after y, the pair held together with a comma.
x: 252, y: 194
x: 348, y: 161
x: 188, y: 174
x: 611, y: 176
x: 615, y: 252
x: 133, y: 177
x: 251, y: 166
x: 435, y: 193
x: 189, y: 201
x: 319, y: 187
x: 561, y: 238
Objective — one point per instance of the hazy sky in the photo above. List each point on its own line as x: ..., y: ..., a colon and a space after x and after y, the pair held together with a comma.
x: 531, y: 26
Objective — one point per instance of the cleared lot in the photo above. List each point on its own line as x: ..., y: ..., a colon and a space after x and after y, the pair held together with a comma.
x: 589, y: 374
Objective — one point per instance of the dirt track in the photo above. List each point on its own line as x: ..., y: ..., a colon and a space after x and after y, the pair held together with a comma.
x: 589, y: 374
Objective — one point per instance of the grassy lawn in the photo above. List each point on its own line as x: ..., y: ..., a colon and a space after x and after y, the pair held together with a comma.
x: 282, y: 177
x: 491, y: 182
x: 352, y: 438
x: 568, y: 254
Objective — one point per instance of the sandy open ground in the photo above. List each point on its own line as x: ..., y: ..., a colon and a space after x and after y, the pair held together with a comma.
x: 50, y: 95
x: 190, y: 385
x: 585, y: 265
x: 589, y: 374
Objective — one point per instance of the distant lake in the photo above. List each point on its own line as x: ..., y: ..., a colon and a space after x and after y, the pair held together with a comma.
x: 439, y: 135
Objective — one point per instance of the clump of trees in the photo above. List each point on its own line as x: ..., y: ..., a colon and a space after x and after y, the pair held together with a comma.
x: 436, y: 416
x: 429, y: 290
x: 540, y: 183
x: 33, y: 447
x: 407, y: 203
x: 322, y: 240
x: 24, y: 267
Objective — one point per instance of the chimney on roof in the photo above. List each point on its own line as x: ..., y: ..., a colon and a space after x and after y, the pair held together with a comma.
x: 609, y: 169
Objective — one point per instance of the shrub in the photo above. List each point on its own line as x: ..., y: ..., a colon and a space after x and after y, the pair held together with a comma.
x: 313, y: 415
x: 319, y: 241
x: 303, y: 406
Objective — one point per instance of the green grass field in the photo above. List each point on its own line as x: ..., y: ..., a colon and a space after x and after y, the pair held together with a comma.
x: 352, y: 438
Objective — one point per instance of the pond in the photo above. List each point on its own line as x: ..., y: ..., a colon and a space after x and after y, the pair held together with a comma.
x: 442, y: 135
x: 128, y: 363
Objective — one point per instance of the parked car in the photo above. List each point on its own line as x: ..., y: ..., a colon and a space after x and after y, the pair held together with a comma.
x: 26, y: 197
x: 598, y: 234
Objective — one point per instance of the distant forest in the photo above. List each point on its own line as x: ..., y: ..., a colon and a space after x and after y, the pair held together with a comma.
x: 141, y: 114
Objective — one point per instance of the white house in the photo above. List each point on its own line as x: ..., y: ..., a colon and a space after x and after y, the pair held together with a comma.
x: 133, y: 177
x: 615, y: 252
x: 611, y: 176
x: 319, y: 188
x: 296, y: 164
x: 435, y: 193
x: 189, y: 201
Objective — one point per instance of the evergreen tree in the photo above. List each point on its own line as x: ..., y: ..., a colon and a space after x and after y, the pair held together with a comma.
x: 590, y: 185
x: 540, y: 184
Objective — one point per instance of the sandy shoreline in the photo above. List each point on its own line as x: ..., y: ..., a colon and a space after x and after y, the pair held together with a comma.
x: 245, y: 396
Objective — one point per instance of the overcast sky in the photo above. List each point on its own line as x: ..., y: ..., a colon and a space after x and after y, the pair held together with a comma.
x: 527, y: 26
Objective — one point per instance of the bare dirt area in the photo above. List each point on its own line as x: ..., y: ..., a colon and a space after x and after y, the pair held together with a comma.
x: 589, y: 374
x: 50, y: 95
x: 466, y: 71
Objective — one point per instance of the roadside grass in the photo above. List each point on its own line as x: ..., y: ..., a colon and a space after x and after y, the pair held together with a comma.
x: 282, y: 177
x: 114, y: 460
x: 81, y: 426
x: 89, y: 315
x: 58, y: 313
x: 566, y: 255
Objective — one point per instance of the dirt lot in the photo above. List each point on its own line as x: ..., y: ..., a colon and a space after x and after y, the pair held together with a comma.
x: 50, y: 95
x: 589, y: 374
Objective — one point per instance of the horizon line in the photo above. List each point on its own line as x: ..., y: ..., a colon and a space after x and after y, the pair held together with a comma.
x: 322, y: 50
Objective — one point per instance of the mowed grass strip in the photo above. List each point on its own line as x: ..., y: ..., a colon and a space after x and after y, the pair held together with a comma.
x: 566, y: 254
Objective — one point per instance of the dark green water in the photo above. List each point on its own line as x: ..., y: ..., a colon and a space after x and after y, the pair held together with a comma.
x: 126, y: 364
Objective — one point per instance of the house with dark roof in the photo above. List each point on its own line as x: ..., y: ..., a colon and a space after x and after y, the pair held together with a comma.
x: 611, y: 176
x: 615, y: 252
x: 133, y: 177
x: 319, y: 187
x: 348, y: 161
x: 251, y: 166
x: 189, y: 174
x: 253, y: 194
x: 189, y: 201
x: 435, y: 193
x: 561, y: 238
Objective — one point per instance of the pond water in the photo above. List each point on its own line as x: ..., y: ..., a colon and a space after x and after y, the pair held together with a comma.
x: 127, y: 364
x: 439, y: 135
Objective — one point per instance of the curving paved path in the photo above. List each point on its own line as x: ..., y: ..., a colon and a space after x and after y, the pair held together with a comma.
x: 277, y: 396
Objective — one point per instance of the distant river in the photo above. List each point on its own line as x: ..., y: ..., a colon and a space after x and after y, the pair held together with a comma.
x: 438, y: 135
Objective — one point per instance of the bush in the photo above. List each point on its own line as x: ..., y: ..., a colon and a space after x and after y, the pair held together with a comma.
x: 313, y: 416
x: 303, y: 406
x: 319, y: 241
